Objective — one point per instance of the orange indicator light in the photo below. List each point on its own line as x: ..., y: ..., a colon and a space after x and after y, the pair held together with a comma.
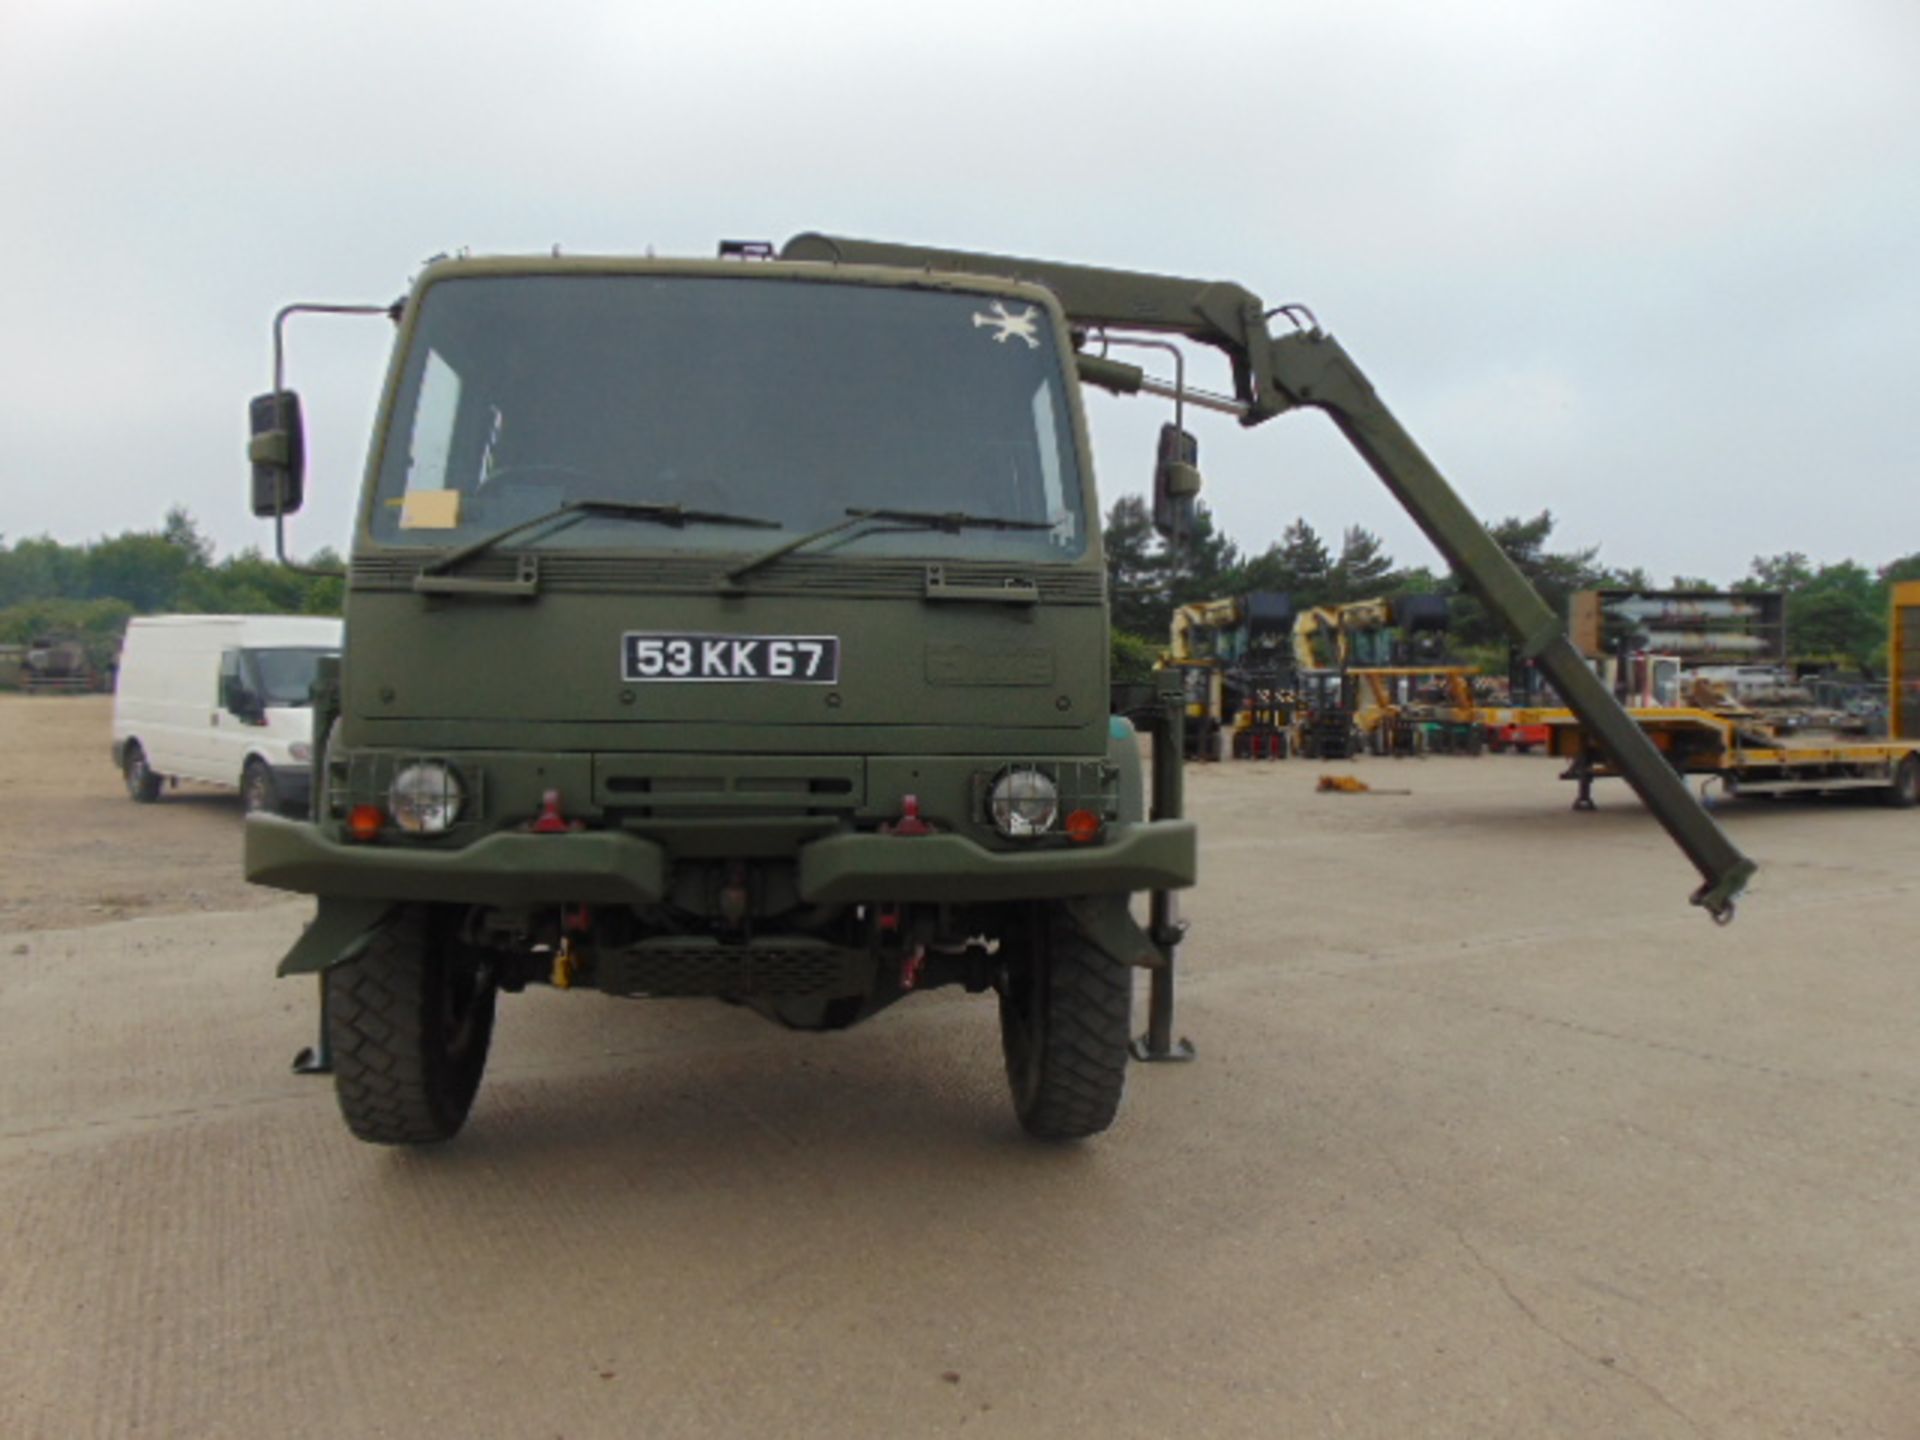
x: 1083, y: 826
x: 365, y: 821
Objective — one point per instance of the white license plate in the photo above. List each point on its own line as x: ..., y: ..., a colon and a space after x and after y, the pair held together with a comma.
x: 789, y: 659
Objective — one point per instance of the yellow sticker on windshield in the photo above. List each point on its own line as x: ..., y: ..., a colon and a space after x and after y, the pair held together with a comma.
x: 430, y: 510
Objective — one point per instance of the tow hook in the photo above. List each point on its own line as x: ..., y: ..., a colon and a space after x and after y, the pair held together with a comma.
x: 909, y: 823
x: 550, y: 821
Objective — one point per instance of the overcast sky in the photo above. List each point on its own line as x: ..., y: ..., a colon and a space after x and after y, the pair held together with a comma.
x: 1655, y: 267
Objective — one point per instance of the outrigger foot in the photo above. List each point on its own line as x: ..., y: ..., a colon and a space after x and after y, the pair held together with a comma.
x: 1158, y: 1046
x: 317, y: 1058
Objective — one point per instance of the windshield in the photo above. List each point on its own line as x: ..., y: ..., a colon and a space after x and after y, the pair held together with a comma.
x: 772, y: 399
x: 285, y: 676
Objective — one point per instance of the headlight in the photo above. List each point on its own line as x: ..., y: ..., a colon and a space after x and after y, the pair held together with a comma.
x: 424, y: 798
x: 1023, y: 802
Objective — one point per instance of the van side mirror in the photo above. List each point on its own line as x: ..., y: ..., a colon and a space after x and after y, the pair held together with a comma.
x: 237, y: 699
x: 1176, y: 483
x: 278, y: 450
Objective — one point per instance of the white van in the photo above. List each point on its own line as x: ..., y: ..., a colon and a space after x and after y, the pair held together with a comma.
x: 222, y: 699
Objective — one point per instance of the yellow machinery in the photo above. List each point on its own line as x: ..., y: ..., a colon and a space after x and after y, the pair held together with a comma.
x: 1359, y: 667
x: 1233, y: 659
x: 1319, y: 681
x: 1413, y: 709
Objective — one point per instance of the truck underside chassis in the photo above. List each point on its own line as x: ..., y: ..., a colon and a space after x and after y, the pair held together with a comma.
x: 408, y: 1017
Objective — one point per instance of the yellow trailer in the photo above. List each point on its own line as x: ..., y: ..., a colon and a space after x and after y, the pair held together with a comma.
x: 1737, y: 751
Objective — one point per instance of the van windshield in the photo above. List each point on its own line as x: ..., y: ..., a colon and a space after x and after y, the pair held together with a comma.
x: 284, y: 677
x: 775, y: 400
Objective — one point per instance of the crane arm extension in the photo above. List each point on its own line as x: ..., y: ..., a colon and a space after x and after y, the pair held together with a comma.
x: 1226, y: 316
x: 1318, y: 372
x: 1309, y: 367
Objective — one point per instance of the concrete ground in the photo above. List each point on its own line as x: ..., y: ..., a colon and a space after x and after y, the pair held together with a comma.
x: 1490, y: 1135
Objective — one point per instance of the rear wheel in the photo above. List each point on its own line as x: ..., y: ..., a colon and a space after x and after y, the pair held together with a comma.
x: 1065, y: 1012
x: 409, y: 1023
x: 142, y: 784
x: 258, y: 790
x: 1905, y: 790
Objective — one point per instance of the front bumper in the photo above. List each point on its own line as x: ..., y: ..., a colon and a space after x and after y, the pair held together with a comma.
x: 612, y: 867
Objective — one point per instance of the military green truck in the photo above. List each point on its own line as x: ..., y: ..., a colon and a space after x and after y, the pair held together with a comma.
x: 739, y: 628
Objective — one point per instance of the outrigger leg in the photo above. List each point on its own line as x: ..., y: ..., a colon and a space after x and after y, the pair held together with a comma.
x: 1581, y: 770
x: 1167, y: 724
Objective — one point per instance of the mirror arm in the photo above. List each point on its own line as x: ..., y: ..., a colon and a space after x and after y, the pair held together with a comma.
x: 303, y: 307
x: 318, y: 572
x: 286, y: 312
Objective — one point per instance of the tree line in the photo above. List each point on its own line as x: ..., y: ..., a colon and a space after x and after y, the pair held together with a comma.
x: 1836, y: 613
x: 88, y: 592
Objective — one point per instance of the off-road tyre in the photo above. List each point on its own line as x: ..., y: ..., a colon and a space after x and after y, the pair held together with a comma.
x: 143, y: 785
x: 1904, y: 793
x: 409, y: 1022
x: 259, y: 793
x: 1066, y: 1009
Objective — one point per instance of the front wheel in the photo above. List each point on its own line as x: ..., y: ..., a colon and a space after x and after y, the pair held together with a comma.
x: 259, y: 794
x: 409, y: 1023
x: 1065, y: 1012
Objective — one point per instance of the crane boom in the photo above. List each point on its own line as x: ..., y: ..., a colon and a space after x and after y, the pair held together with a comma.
x: 1308, y: 367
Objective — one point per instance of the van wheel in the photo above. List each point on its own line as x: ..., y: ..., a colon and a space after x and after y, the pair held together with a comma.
x: 142, y: 784
x: 259, y: 793
x: 1065, y: 1011
x: 1905, y: 790
x: 409, y: 1023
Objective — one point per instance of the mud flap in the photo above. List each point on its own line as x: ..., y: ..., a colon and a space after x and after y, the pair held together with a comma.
x: 337, y: 933
x: 1109, y: 927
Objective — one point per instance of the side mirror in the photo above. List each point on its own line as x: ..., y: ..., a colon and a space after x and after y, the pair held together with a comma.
x: 239, y: 700
x: 1176, y: 482
x: 278, y: 450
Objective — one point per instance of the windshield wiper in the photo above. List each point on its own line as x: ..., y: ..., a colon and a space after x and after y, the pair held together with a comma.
x: 951, y: 521
x: 566, y: 514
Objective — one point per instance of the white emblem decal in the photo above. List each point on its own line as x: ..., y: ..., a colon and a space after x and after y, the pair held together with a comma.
x: 1007, y: 327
